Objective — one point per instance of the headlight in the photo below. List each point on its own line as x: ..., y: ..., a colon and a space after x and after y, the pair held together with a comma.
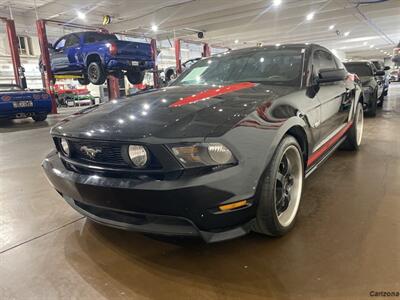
x: 205, y: 154
x: 64, y: 146
x: 138, y: 155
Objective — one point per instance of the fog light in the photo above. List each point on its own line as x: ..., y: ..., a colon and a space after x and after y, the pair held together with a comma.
x: 138, y: 155
x: 234, y: 205
x: 64, y: 146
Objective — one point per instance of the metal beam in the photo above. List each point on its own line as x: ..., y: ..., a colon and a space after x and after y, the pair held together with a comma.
x: 48, y: 82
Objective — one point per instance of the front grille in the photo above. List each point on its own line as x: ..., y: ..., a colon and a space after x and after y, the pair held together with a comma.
x: 107, y: 154
x: 110, y: 154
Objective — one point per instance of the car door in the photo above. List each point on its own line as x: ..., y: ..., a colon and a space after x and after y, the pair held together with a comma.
x: 57, y: 55
x: 72, y: 51
x: 379, y: 79
x: 334, y: 97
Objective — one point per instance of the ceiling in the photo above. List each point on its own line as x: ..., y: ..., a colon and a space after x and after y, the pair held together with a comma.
x: 360, y: 30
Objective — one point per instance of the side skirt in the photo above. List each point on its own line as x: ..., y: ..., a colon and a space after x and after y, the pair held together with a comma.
x: 328, y: 153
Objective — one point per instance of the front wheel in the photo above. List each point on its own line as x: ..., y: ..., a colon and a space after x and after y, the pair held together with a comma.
x: 371, y: 112
x: 95, y: 73
x: 354, y: 136
x: 280, y: 190
x: 83, y: 81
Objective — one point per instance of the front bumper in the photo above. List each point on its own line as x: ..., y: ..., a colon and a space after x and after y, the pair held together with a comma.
x: 185, y: 207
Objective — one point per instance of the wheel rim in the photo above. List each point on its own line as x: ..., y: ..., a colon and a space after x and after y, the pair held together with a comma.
x: 288, y: 186
x: 359, y: 124
x: 93, y: 73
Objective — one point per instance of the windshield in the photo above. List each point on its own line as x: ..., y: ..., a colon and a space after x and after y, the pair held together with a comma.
x: 273, y: 66
x: 360, y: 69
x: 4, y: 88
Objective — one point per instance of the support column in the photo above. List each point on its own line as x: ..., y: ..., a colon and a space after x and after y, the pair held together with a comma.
x: 156, y: 75
x: 178, y: 56
x: 14, y: 51
x: 206, y: 50
x: 113, y: 87
x: 45, y: 59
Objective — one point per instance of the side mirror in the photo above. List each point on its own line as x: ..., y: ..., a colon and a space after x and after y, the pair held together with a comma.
x: 379, y: 73
x: 50, y: 46
x: 331, y: 75
x: 386, y: 68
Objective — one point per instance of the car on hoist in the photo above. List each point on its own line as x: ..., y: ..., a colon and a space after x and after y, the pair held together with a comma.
x: 18, y: 103
x: 222, y: 151
x: 94, y: 55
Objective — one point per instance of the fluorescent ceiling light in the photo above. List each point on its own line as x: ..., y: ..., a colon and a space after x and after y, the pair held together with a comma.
x: 371, y: 46
x: 277, y: 2
x: 331, y: 27
x: 365, y: 43
x: 236, y: 41
x: 81, y: 15
x: 310, y: 16
x: 154, y: 27
x: 346, y: 33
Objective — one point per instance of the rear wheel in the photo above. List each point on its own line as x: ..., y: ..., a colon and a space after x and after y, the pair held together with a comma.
x: 39, y: 117
x: 280, y: 190
x: 135, y: 76
x: 95, y: 73
x: 354, y: 136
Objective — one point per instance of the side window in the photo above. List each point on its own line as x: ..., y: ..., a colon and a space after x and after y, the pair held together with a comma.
x: 339, y: 64
x: 60, y: 45
x: 72, y: 40
x: 323, y: 60
x: 90, y: 38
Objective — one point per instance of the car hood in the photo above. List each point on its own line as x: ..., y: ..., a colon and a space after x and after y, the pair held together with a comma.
x: 172, y: 112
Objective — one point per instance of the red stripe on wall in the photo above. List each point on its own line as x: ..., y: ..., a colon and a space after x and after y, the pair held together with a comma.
x: 317, y: 154
x: 212, y: 93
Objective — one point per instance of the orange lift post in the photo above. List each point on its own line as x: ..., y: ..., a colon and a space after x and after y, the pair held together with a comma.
x: 14, y: 51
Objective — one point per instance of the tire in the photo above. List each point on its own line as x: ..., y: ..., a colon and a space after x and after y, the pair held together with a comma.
x: 354, y: 136
x: 170, y: 75
x: 83, y: 81
x: 371, y: 112
x: 95, y: 73
x: 135, y: 76
x: 276, y: 217
x: 40, y: 117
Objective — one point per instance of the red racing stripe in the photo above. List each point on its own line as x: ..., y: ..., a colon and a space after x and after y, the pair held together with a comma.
x: 212, y: 93
x: 317, y: 154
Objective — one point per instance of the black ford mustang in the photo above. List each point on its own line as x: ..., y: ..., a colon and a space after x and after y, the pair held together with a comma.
x: 222, y: 151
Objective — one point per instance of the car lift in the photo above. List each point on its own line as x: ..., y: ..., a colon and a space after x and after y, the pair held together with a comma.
x: 112, y: 81
x: 19, y: 76
x: 178, y: 59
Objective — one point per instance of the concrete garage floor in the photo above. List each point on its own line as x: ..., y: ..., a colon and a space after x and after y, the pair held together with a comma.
x: 345, y: 244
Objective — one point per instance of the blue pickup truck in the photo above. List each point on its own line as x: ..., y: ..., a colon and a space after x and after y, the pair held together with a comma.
x: 16, y: 103
x: 93, y: 55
